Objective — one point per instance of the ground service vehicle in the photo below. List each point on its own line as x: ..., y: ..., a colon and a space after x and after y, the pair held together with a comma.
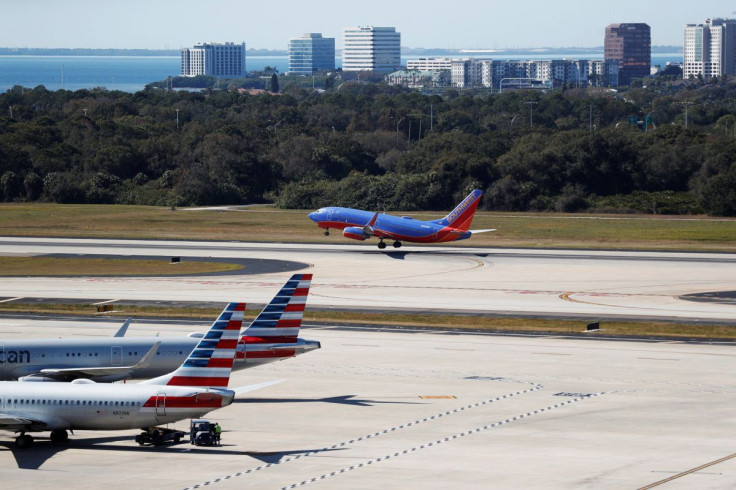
x: 156, y: 436
x: 202, y: 433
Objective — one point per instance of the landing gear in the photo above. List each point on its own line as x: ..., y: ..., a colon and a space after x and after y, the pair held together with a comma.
x: 397, y: 244
x: 59, y: 435
x: 381, y: 245
x: 23, y: 441
x: 327, y: 232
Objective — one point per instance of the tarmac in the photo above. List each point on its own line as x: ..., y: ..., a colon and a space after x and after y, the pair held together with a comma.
x: 393, y: 408
x: 410, y: 409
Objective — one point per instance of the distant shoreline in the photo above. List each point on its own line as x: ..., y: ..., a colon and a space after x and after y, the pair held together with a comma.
x: 405, y: 51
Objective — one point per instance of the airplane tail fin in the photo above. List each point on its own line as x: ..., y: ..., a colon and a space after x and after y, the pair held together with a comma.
x: 210, y: 363
x: 462, y: 216
x: 276, y: 329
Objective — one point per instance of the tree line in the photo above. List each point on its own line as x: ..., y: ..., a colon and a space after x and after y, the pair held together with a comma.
x: 377, y: 147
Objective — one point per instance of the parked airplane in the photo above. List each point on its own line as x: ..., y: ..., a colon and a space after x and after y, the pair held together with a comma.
x: 361, y: 225
x: 197, y: 387
x: 272, y: 336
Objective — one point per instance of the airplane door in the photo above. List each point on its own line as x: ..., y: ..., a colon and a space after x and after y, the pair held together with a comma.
x: 240, y: 352
x: 161, y: 404
x: 116, y: 355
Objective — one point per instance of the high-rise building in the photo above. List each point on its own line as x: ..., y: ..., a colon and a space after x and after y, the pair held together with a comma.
x: 311, y: 53
x: 631, y: 46
x: 226, y: 60
x: 371, y: 49
x: 710, y: 49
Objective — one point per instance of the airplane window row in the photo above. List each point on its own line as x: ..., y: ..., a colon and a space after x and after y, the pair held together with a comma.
x: 99, y: 403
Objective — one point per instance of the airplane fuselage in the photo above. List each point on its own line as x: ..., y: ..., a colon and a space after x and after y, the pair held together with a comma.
x: 20, y: 358
x: 387, y: 226
x: 100, y: 406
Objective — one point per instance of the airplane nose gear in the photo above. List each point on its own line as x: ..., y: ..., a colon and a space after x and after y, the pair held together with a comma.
x: 327, y: 232
x: 397, y: 244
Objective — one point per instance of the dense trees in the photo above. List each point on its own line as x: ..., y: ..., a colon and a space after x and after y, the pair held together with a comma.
x: 375, y: 147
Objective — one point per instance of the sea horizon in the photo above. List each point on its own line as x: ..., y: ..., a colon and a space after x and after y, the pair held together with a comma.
x: 131, y: 73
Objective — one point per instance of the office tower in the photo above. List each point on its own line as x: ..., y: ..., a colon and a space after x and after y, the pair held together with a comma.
x: 214, y: 59
x: 311, y: 53
x: 710, y: 49
x: 631, y: 46
x: 371, y: 49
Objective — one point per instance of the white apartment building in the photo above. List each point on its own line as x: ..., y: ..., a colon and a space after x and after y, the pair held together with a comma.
x: 369, y: 48
x: 467, y: 73
x: 710, y: 49
x: 226, y: 60
x: 429, y: 64
x: 503, y: 74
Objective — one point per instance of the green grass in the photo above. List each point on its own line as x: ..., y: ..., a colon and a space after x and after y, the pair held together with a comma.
x: 463, y: 322
x: 61, y: 266
x: 265, y: 223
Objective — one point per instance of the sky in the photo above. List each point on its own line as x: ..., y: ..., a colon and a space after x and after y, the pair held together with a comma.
x: 459, y: 24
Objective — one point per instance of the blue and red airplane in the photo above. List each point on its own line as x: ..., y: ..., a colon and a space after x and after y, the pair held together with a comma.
x: 361, y: 225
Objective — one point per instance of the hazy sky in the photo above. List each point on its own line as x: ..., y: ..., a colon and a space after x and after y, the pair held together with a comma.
x: 158, y: 24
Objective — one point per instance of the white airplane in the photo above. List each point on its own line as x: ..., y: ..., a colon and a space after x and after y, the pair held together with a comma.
x: 273, y: 336
x: 197, y: 387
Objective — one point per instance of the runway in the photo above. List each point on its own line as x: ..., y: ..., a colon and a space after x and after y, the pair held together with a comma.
x: 648, y: 285
x: 402, y: 409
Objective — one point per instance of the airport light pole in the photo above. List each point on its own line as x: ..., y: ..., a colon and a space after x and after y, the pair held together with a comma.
x: 531, y: 112
x: 397, y: 128
x: 177, y: 119
x: 687, y: 104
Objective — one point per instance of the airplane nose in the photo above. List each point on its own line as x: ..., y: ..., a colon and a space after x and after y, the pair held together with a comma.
x: 314, y: 216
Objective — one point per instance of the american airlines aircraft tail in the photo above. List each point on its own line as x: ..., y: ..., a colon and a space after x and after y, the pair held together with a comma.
x: 274, y: 334
x: 211, y: 361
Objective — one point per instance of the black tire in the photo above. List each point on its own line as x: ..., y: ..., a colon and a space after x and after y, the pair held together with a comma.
x: 381, y: 245
x: 59, y: 436
x: 397, y: 244
x: 23, y: 442
x: 177, y: 439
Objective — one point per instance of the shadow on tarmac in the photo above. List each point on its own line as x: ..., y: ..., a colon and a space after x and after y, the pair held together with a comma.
x: 341, y: 400
x: 43, y: 450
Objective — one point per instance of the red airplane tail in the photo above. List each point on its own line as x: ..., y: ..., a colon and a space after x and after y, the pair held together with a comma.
x: 462, y: 216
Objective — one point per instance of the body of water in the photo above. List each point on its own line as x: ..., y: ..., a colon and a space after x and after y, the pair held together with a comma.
x: 132, y: 73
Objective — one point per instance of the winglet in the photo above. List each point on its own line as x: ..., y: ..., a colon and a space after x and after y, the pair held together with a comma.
x: 121, y: 331
x: 146, y: 360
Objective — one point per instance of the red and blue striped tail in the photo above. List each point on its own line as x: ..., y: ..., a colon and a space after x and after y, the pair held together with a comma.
x: 210, y: 363
x: 280, y: 320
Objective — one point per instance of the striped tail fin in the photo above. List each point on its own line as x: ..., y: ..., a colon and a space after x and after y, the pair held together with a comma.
x: 271, y: 334
x: 210, y: 363
x: 462, y: 216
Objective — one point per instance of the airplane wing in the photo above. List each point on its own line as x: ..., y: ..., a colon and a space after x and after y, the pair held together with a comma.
x: 119, y: 372
x: 15, y: 422
x: 121, y: 331
x: 245, y: 389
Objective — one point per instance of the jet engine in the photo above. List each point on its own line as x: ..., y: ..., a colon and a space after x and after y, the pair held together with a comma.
x: 356, y: 233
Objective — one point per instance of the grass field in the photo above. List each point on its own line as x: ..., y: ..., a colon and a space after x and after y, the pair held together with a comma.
x: 464, y: 322
x: 264, y: 223
x: 61, y: 266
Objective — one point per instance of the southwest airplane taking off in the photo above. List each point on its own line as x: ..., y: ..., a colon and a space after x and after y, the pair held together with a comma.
x: 272, y: 336
x: 197, y: 387
x: 361, y: 225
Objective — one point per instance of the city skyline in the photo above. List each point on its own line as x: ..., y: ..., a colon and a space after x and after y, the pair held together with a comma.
x: 492, y: 24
